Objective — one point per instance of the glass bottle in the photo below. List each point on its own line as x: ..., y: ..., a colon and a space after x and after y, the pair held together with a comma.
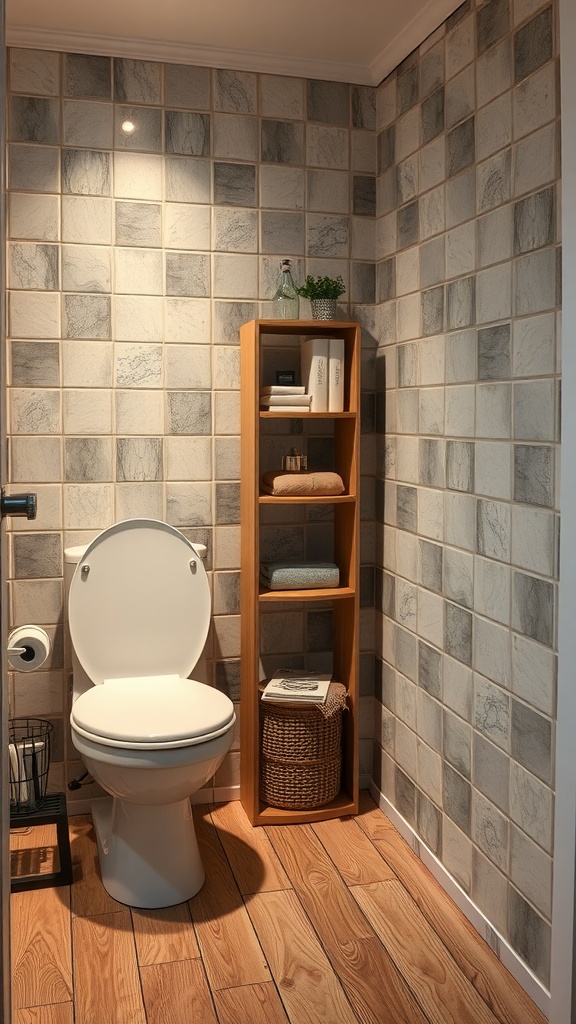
x: 286, y: 301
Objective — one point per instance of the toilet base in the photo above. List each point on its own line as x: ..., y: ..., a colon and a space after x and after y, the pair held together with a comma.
x: 148, y: 856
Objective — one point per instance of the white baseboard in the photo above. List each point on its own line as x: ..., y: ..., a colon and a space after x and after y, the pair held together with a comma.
x: 518, y: 969
x: 217, y: 795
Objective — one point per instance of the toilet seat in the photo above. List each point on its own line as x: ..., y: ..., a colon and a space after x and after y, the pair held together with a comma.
x: 156, y: 712
x: 139, y: 603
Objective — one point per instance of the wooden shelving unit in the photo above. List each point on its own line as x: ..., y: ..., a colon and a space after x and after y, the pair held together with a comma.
x: 344, y: 599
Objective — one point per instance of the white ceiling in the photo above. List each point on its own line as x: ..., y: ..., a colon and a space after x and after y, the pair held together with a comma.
x: 357, y: 41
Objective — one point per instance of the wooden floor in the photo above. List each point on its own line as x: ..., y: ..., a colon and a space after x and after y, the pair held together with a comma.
x: 327, y: 924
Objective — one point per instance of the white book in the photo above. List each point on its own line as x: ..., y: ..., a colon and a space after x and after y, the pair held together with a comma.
x: 314, y: 369
x: 336, y: 375
x: 297, y: 685
x: 283, y: 389
x: 279, y: 400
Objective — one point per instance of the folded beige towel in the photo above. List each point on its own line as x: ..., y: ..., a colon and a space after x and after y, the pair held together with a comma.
x: 282, y: 482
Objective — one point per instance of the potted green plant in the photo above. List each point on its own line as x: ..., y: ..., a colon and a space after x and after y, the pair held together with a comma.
x: 323, y: 293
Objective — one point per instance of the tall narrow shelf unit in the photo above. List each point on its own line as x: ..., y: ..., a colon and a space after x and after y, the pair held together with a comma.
x: 254, y: 598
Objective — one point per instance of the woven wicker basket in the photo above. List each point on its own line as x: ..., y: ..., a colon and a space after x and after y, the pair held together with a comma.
x: 301, y: 754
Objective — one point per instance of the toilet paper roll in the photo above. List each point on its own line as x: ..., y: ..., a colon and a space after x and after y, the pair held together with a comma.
x: 34, y: 645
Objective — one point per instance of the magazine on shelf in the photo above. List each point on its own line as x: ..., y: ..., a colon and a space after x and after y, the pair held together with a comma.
x: 298, y: 686
x: 314, y: 370
x: 336, y: 375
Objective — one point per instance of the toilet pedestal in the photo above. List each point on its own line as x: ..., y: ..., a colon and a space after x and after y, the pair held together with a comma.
x: 148, y: 855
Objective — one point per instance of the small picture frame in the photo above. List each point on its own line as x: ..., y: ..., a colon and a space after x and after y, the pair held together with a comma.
x: 285, y: 377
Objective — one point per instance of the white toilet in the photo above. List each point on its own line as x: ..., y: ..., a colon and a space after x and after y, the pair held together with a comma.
x: 139, y: 612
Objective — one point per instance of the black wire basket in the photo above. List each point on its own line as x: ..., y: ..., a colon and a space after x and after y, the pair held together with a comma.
x: 29, y: 756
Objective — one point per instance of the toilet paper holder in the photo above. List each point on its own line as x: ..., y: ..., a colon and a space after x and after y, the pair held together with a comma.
x: 28, y: 648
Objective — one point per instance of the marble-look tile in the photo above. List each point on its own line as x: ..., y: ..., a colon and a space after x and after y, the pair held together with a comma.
x: 494, y: 126
x: 326, y: 146
x: 327, y: 236
x: 137, y: 81
x: 188, y: 458
x: 431, y: 68
x: 494, y: 352
x: 461, y: 360
x: 139, y: 458
x: 187, y: 274
x: 235, y: 91
x: 533, y: 674
x: 187, y: 133
x: 535, y: 160
x: 534, y: 474
x: 281, y: 96
x: 534, y: 101
x: 531, y: 738
x: 363, y: 284
x: 430, y: 565
x: 494, y: 180
x: 405, y: 795
x: 226, y: 458
x: 460, y: 465
x: 431, y: 410
x: 86, y: 316
x: 460, y: 303
x: 235, y: 137
x: 33, y: 315
x: 189, y: 412
x: 87, y: 459
x: 460, y: 143
x: 432, y: 260
x: 407, y: 134
x: 492, y: 589
x: 37, y: 600
x: 385, y: 149
x: 234, y: 230
x: 457, y: 853
x: 33, y: 266
x: 282, y: 142
x: 458, y: 633
x: 139, y: 412
x: 429, y: 823
x: 85, y: 268
x: 531, y: 805
x: 35, y: 364
x: 534, y: 221
x: 87, y: 220
x: 430, y: 669
x: 87, y: 411
x: 461, y: 250
x: 187, y: 86
x: 492, y: 22
x: 235, y: 276
x: 535, y: 282
x: 408, y: 226
x: 494, y: 529
x: 407, y: 88
x: 493, y: 474
x: 386, y: 102
x: 187, y: 179
x: 460, y: 97
x: 457, y: 798
x: 34, y: 168
x: 235, y: 184
x: 34, y: 120
x: 490, y: 830
x: 493, y: 410
x: 533, y: 44
x: 495, y: 236
x: 282, y: 188
x: 328, y: 102
x: 494, y: 71
x: 86, y: 364
x: 492, y: 712
x: 457, y: 576
x: 85, y: 172
x: 138, y: 224
x: 490, y: 891
x: 534, y: 411
x: 188, y: 227
x: 531, y: 871
x: 457, y: 687
x: 491, y: 772
x: 228, y: 318
x: 87, y: 76
x: 432, y: 307
x: 460, y: 46
x: 137, y: 128
x: 431, y: 463
x: 138, y: 318
x: 457, y: 743
x: 533, y: 607
x: 363, y: 107
x: 138, y: 365
x: 133, y: 500
x: 183, y: 372
x: 460, y: 410
x: 37, y: 557
x: 494, y: 294
x: 189, y: 504
x: 386, y: 285
x: 186, y: 321
x: 87, y: 124
x: 492, y: 651
x: 431, y: 617
x: 282, y: 232
x: 460, y: 198
x: 363, y: 195
x: 34, y: 72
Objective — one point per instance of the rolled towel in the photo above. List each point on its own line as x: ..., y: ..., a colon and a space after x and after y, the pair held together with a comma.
x: 18, y: 787
x: 299, y: 575
x: 282, y: 482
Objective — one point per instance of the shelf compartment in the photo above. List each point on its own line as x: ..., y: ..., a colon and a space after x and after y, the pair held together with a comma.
x: 338, y: 807
x: 278, y: 414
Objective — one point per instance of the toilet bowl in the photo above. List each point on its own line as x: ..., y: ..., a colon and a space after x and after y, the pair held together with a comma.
x: 138, y: 615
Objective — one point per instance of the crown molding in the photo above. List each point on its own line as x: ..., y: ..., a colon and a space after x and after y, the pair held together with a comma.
x: 186, y: 53
x: 432, y: 15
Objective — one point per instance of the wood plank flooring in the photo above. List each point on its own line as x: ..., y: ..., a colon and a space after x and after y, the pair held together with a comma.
x: 335, y: 923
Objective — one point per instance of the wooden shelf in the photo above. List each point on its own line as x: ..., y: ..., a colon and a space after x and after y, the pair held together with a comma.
x: 345, y: 524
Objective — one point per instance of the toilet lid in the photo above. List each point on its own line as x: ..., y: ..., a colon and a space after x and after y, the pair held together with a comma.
x: 152, y: 712
x: 139, y: 603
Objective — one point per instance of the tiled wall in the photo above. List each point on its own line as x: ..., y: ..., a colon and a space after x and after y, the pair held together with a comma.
x: 133, y: 259
x: 468, y: 280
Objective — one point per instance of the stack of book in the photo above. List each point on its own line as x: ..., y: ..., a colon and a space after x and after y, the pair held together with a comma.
x: 297, y: 686
x: 285, y: 398
x: 322, y: 368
